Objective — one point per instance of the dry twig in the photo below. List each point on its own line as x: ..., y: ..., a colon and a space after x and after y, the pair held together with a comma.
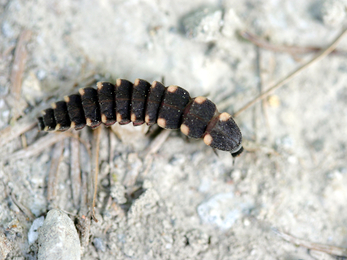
x: 53, y: 171
x: 21, y: 207
x: 42, y: 144
x: 154, y: 148
x: 35, y: 148
x: 76, y: 182
x: 11, y: 132
x: 293, y: 50
x: 95, y: 166
x: 318, y: 57
x: 332, y: 250
x: 20, y: 57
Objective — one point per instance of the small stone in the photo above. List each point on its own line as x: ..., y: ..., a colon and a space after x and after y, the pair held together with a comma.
x: 203, y: 25
x: 33, y: 231
x: 118, y: 193
x: 58, y: 238
x: 99, y: 244
x: 223, y: 210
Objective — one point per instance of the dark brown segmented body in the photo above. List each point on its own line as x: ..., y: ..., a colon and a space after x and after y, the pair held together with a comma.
x: 170, y: 107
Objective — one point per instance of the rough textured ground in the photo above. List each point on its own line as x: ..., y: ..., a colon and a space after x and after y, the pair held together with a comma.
x: 191, y: 203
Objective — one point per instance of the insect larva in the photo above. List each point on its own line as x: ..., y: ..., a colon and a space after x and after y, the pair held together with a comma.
x: 170, y: 107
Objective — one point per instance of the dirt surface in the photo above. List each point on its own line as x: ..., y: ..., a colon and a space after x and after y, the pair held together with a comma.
x: 183, y: 202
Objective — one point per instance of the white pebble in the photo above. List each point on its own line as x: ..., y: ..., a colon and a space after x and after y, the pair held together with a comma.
x: 203, y: 25
x: 58, y: 238
x: 223, y: 210
x: 33, y: 231
x: 99, y: 244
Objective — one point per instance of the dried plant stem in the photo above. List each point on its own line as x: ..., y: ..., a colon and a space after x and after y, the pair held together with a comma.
x: 42, y: 144
x: 293, y: 50
x: 154, y: 148
x: 318, y: 57
x: 53, y: 172
x: 332, y: 250
x: 76, y: 181
x: 24, y: 209
x: 20, y: 57
x: 97, y: 134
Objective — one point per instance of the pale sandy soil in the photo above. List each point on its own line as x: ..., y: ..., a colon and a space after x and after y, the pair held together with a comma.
x: 191, y: 203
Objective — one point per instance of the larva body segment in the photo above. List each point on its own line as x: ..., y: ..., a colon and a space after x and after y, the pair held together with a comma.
x: 138, y: 102
x: 48, y: 119
x: 141, y: 102
x: 40, y: 123
x: 170, y: 112
x: 155, y: 96
x: 75, y: 111
x: 196, y: 117
x: 107, y: 102
x: 123, y: 101
x: 223, y: 133
x: 61, y: 116
x: 91, y: 106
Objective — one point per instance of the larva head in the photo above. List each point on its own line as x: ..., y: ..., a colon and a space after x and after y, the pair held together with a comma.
x: 223, y: 133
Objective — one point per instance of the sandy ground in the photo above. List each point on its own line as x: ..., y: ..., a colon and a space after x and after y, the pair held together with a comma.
x: 183, y: 202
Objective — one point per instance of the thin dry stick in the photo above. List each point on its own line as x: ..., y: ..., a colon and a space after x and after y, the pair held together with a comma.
x: 20, y: 57
x: 76, y: 182
x: 11, y: 132
x: 294, y: 50
x: 19, y: 127
x: 97, y: 134
x: 154, y: 148
x: 84, y: 194
x: 332, y: 250
x: 77, y: 137
x: 157, y: 142
x: 42, y: 144
x: 35, y: 148
x: 318, y: 57
x: 22, y: 208
x: 53, y: 171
